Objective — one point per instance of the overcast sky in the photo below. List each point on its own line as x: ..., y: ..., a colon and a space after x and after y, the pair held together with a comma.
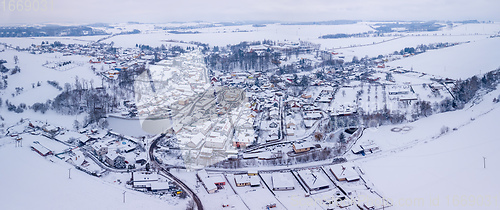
x: 155, y: 11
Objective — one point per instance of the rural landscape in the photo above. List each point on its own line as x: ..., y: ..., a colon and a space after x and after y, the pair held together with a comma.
x: 334, y: 114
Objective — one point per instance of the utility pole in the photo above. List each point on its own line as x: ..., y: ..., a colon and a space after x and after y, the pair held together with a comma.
x: 69, y: 173
x: 484, y: 162
x: 124, y: 196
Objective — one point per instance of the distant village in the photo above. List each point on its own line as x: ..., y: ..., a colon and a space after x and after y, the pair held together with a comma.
x: 220, y: 113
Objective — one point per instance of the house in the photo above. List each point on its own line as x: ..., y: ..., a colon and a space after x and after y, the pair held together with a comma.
x: 143, y: 179
x: 50, y: 129
x: 100, y: 150
x: 302, y: 147
x: 343, y: 173
x: 244, y: 138
x: 282, y: 181
x: 43, y: 151
x: 242, y: 180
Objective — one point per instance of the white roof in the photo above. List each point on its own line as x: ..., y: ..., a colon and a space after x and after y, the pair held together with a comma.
x: 344, y: 172
x: 40, y: 148
x: 254, y: 180
x: 313, y: 179
x: 159, y: 185
x: 240, y: 179
x: 303, y: 145
x: 145, y: 177
x: 282, y: 180
x: 206, y: 150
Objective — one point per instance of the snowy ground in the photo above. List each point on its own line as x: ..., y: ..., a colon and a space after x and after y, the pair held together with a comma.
x: 439, y: 172
x: 477, y: 58
x: 35, y: 182
x: 416, y: 168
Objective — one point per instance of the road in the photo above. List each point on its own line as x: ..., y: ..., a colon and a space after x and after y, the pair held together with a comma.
x: 164, y: 169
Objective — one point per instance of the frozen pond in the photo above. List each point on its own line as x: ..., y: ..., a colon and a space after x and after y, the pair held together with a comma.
x: 133, y: 127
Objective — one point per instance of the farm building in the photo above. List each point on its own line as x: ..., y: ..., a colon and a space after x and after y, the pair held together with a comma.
x: 343, y: 173
x: 313, y: 180
x: 144, y: 179
x: 159, y: 186
x: 242, y: 180
x: 211, y: 182
x: 282, y: 181
x: 302, y: 147
x: 41, y: 149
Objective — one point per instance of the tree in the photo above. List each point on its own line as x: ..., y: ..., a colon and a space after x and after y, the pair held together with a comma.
x: 295, y: 79
x: 76, y: 125
x: 444, y: 130
x: 342, y: 137
x: 67, y: 87
x: 104, y: 123
x: 190, y: 205
x: 304, y: 81
x: 318, y: 136
x: 355, y: 59
x: 119, y: 162
x: 15, y: 70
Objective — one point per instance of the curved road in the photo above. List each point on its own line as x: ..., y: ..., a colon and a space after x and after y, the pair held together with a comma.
x: 181, y: 184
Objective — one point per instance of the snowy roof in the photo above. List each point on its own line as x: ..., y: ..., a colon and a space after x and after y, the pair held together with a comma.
x: 159, y: 185
x: 303, y: 145
x: 344, y: 172
x: 281, y: 180
x: 206, y: 150
x: 40, y: 148
x: 144, y: 177
x: 254, y: 180
x: 313, y: 180
x: 241, y: 179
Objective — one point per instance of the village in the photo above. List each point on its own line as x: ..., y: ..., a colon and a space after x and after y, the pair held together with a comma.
x: 271, y: 124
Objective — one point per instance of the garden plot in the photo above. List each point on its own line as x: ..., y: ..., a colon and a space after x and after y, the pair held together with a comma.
x: 345, y: 101
x: 372, y: 99
x: 63, y: 65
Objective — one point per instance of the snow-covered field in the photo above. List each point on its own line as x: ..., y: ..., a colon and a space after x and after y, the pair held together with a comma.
x: 30, y: 181
x: 417, y: 167
x: 420, y: 170
x: 457, y: 62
